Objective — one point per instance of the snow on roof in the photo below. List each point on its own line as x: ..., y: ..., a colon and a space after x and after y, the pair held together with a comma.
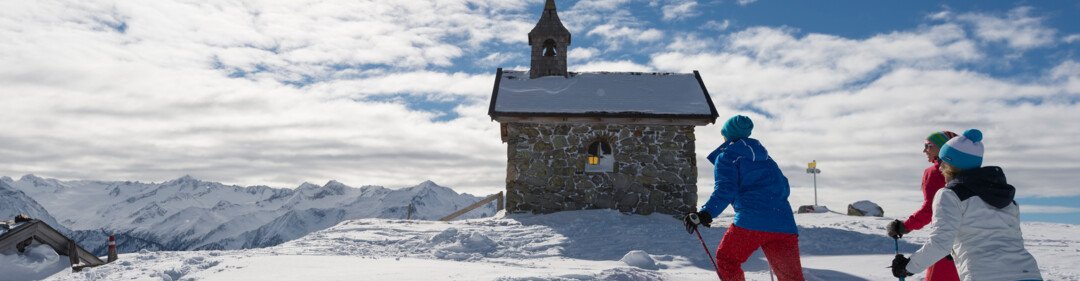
x: 603, y: 94
x: 36, y: 263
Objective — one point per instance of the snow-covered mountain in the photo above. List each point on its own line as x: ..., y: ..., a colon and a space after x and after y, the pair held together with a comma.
x: 14, y: 202
x: 189, y: 214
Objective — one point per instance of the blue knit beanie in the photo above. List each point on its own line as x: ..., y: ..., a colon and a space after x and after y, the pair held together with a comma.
x: 737, y: 127
x: 964, y: 151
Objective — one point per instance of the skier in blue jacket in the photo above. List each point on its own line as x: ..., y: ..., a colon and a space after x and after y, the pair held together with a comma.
x: 751, y: 182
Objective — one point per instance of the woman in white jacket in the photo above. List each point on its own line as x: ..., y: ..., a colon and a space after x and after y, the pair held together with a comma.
x: 975, y: 218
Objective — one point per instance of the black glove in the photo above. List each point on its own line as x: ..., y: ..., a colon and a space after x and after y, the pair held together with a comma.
x: 896, y: 229
x: 692, y: 220
x: 899, y: 266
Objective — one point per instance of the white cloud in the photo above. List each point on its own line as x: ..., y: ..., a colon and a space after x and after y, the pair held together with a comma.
x: 889, y: 117
x: 476, y: 87
x: 680, y: 10
x: 611, y: 32
x: 1067, y: 69
x: 599, y: 5
x: 717, y: 25
x: 497, y: 59
x: 613, y: 21
x: 581, y: 54
x: 587, y: 13
x: 146, y: 94
x: 757, y: 57
x: 1072, y: 38
x: 942, y: 15
x: 244, y: 132
x: 861, y: 108
x: 745, y: 2
x: 1018, y: 30
x: 1067, y: 73
x: 692, y: 42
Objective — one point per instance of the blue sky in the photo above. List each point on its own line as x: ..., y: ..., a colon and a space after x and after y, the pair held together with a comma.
x: 1062, y: 216
x: 393, y: 93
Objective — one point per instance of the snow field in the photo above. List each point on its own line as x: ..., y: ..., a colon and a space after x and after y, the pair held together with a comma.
x: 577, y: 245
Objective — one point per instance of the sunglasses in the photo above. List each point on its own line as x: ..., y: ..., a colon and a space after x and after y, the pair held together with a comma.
x: 928, y: 146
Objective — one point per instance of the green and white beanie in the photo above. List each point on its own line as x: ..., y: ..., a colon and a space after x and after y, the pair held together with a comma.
x: 939, y: 138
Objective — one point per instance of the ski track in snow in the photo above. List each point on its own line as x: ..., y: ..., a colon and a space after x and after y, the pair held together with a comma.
x: 575, y: 245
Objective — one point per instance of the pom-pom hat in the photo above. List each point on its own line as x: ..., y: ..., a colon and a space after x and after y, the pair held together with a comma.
x: 964, y: 151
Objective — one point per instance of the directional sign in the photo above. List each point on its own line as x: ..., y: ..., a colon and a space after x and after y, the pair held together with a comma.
x: 811, y: 168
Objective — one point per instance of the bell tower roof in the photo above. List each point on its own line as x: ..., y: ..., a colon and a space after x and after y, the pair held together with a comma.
x: 549, y: 25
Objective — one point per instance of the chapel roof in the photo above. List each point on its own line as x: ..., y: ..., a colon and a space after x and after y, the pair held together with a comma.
x: 602, y: 94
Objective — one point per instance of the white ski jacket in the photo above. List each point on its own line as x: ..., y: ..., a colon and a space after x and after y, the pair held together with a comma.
x: 985, y: 241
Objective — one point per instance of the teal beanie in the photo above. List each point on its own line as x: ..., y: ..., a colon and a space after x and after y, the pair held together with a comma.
x: 737, y: 127
x: 965, y: 151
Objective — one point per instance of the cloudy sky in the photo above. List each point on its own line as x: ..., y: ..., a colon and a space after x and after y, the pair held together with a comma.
x: 392, y: 93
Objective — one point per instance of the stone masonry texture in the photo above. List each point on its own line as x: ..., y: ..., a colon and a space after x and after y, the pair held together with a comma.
x: 655, y: 168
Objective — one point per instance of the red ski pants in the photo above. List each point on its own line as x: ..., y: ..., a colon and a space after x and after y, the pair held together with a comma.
x: 781, y: 249
x: 943, y: 270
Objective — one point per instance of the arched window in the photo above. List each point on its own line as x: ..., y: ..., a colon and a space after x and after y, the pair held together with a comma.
x: 599, y: 157
x: 549, y: 48
x: 599, y: 147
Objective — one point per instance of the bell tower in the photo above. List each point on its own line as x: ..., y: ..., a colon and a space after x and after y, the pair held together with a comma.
x: 548, y: 40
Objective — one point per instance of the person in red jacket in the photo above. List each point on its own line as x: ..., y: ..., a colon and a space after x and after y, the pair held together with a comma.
x: 932, y: 181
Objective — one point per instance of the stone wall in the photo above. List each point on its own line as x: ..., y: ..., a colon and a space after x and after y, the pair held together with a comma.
x: 655, y: 168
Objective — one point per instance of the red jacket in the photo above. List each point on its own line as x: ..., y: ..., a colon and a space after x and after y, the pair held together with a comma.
x: 932, y: 181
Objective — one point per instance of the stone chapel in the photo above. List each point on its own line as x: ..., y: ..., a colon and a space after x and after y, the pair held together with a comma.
x: 596, y: 140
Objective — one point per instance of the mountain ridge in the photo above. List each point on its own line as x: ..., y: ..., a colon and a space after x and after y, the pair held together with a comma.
x: 187, y: 213
x: 15, y: 202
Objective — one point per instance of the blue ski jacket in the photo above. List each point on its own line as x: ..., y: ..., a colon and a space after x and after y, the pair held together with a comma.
x: 749, y: 180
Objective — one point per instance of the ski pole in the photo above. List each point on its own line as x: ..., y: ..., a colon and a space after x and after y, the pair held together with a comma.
x: 896, y: 242
x: 703, y: 246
